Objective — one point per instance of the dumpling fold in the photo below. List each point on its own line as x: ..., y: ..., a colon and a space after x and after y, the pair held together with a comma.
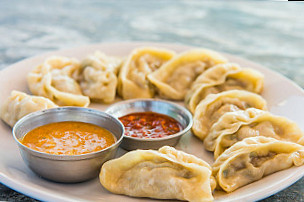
x: 214, y: 106
x: 19, y: 104
x: 132, y: 80
x: 174, y: 79
x: 97, y: 77
x: 163, y: 174
x: 54, y: 79
x: 223, y: 77
x: 236, y: 126
x: 253, y: 158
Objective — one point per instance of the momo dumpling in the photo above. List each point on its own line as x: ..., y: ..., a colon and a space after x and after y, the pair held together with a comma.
x: 253, y: 158
x: 97, y: 77
x: 214, y: 106
x: 163, y: 174
x: 54, y: 79
x: 221, y: 78
x: 174, y: 78
x: 132, y: 80
x: 19, y: 104
x: 236, y: 126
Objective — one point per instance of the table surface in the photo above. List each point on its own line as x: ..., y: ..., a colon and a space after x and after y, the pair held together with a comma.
x: 269, y: 33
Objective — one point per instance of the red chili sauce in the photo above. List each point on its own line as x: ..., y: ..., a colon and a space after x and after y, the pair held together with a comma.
x: 149, y: 125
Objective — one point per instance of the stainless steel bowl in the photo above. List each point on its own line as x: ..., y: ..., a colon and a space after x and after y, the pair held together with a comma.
x: 67, y: 168
x: 179, y: 113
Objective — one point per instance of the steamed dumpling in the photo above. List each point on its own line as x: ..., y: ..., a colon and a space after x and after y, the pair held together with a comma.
x: 221, y: 78
x: 19, y: 104
x: 163, y: 174
x: 174, y: 79
x: 98, y: 77
x: 236, y: 126
x: 54, y: 79
x: 214, y: 106
x: 132, y: 80
x: 253, y: 158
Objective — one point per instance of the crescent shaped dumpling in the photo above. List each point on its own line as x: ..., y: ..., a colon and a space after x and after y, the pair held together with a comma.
x: 19, y: 104
x: 214, y: 106
x: 54, y: 80
x: 174, y: 78
x: 236, y: 126
x: 253, y: 158
x: 132, y: 80
x: 97, y: 77
x: 163, y: 174
x: 221, y: 78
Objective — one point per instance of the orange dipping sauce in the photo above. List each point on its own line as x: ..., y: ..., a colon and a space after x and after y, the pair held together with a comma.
x: 68, y: 138
x: 149, y: 125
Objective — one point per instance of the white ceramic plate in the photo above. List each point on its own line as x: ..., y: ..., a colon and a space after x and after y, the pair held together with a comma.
x: 283, y: 97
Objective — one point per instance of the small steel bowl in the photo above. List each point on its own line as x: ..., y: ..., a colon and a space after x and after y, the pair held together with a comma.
x: 67, y: 168
x: 179, y: 113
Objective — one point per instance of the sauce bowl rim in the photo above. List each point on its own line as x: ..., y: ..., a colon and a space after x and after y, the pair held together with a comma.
x: 64, y: 156
x: 181, y: 108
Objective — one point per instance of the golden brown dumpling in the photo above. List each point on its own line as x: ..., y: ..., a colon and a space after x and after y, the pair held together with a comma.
x: 98, y: 77
x: 174, y: 78
x: 19, y: 104
x: 54, y: 79
x: 163, y: 174
x: 236, y: 126
x: 214, y: 106
x: 253, y: 158
x: 221, y: 78
x: 132, y: 80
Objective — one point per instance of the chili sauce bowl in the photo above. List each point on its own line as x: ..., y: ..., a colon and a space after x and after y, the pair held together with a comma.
x: 67, y: 168
x: 179, y: 113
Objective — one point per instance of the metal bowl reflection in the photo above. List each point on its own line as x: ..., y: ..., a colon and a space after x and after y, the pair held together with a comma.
x: 67, y: 168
